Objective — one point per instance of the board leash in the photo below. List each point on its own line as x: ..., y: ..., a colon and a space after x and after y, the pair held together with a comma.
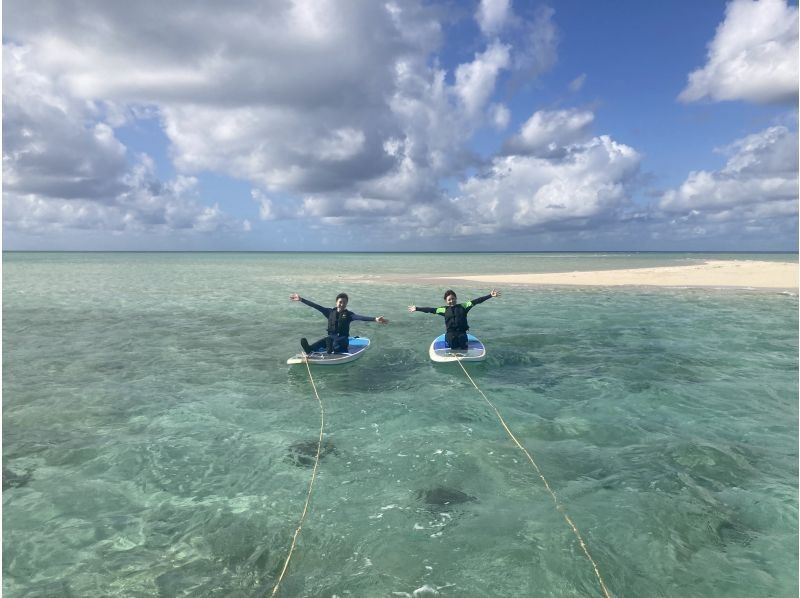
x: 310, y: 485
x: 558, y: 505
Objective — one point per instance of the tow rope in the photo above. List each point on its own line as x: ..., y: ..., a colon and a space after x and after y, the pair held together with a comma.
x: 558, y: 505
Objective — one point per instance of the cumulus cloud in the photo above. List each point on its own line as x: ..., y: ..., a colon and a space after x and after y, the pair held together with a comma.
x: 49, y: 148
x: 576, y: 180
x: 753, y: 56
x: 145, y: 206
x: 754, y: 196
x: 538, y: 49
x: 342, y: 113
x: 586, y: 182
x: 475, y: 81
x: 549, y: 132
x: 64, y: 169
x: 499, y: 116
x: 492, y: 15
x: 761, y: 172
x: 299, y: 97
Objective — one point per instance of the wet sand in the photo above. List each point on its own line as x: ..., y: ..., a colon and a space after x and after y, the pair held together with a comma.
x: 713, y: 273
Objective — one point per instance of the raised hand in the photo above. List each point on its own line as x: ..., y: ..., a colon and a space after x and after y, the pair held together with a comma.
x: 412, y: 308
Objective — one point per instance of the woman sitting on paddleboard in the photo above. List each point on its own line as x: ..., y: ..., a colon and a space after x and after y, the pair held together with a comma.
x: 339, y: 319
x: 455, y: 317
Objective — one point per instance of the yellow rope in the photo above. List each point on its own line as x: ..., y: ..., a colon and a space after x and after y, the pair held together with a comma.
x: 310, y: 486
x: 546, y: 485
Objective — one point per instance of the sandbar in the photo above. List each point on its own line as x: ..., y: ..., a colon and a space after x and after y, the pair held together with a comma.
x: 712, y: 273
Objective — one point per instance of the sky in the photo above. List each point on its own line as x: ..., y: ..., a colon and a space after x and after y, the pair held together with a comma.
x: 406, y: 125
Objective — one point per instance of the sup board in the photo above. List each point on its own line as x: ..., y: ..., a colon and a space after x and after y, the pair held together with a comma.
x: 356, y: 347
x: 440, y: 352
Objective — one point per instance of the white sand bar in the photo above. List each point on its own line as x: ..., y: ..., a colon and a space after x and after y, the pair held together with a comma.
x: 713, y: 273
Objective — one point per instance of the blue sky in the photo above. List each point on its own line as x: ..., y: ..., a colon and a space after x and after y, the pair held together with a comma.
x: 401, y: 125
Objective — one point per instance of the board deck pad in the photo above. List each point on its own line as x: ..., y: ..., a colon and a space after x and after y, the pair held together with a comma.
x: 440, y: 352
x: 356, y: 348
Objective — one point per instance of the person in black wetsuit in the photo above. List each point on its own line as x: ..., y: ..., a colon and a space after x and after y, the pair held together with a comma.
x: 339, y: 319
x: 455, y: 317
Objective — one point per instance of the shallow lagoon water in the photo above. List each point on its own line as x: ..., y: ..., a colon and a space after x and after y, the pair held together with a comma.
x: 151, y: 426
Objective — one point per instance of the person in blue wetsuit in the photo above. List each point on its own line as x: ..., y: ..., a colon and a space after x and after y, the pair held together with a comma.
x: 455, y: 317
x: 339, y: 319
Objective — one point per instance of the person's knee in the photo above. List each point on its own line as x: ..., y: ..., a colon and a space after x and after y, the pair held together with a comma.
x: 456, y: 341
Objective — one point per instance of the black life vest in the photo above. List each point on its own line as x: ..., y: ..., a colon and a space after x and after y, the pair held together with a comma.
x: 339, y: 322
x: 455, y: 318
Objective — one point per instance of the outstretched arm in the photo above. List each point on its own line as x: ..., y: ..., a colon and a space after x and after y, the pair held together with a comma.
x: 427, y: 310
x: 323, y: 310
x: 493, y: 293
x: 379, y: 319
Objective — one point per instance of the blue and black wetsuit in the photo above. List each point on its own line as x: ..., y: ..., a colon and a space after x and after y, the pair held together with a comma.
x: 338, y: 328
x: 455, y: 321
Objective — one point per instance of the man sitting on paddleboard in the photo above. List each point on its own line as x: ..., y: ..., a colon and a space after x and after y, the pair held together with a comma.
x: 455, y: 317
x: 339, y: 319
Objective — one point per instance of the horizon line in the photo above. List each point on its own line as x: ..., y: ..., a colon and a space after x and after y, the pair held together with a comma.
x: 794, y: 251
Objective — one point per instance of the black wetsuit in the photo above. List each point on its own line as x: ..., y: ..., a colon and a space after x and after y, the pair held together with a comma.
x: 455, y: 320
x: 337, y: 340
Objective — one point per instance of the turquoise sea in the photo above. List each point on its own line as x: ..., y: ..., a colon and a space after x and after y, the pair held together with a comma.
x: 155, y: 443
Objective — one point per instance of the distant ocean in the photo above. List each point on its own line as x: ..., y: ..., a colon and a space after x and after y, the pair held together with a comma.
x: 155, y: 443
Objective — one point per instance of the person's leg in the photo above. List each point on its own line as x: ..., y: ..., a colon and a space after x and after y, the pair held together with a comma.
x: 453, y: 339
x: 448, y: 339
x: 457, y: 340
x: 461, y: 342
x: 341, y: 346
x: 316, y: 346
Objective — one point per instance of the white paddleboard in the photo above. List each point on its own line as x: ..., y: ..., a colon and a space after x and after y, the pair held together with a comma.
x: 357, y: 346
x: 440, y: 352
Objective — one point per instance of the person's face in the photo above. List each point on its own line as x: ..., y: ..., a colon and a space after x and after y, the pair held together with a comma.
x: 450, y: 300
x: 341, y: 304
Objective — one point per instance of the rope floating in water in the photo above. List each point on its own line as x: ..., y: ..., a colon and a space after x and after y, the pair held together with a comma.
x: 310, y: 485
x: 558, y: 505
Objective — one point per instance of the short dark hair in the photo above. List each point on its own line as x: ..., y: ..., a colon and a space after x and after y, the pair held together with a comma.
x: 449, y: 292
x: 343, y: 296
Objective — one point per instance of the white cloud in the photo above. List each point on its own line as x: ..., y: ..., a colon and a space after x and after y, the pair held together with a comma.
x: 761, y: 170
x: 272, y: 209
x: 475, y: 81
x: 548, y: 132
x: 340, y: 110
x: 341, y: 144
x: 64, y: 169
x: 492, y: 15
x: 577, y: 83
x: 49, y: 148
x: 537, y: 51
x: 580, y: 180
x: 341, y: 113
x: 291, y: 95
x: 146, y: 206
x: 527, y: 192
x: 500, y: 116
x: 754, y: 196
x: 753, y: 56
x: 266, y: 210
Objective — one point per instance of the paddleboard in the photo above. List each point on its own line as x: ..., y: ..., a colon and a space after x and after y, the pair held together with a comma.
x: 440, y: 352
x: 356, y: 348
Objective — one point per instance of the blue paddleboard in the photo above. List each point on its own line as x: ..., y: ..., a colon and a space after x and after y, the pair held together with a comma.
x: 356, y: 348
x: 440, y: 352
